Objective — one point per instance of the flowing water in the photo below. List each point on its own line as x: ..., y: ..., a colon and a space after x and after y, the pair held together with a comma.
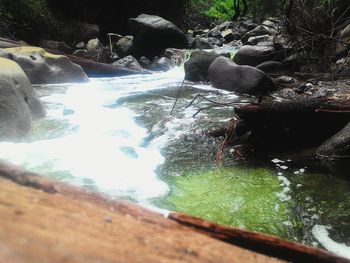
x: 116, y: 136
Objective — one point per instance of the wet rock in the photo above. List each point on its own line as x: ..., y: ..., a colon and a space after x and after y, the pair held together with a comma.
x: 271, y: 66
x: 215, y: 42
x: 258, y: 31
x: 228, y: 35
x: 124, y: 46
x: 129, y: 62
x: 255, y: 55
x: 145, y: 62
x: 196, y: 68
x: 19, y: 103
x: 80, y: 45
x: 201, y: 43
x: 226, y: 25
x: 269, y: 24
x: 56, y: 45
x: 161, y: 64
x: 215, y: 33
x: 152, y: 34
x: 176, y: 56
x: 255, y: 40
x: 337, y: 146
x: 227, y: 75
x: 42, y: 67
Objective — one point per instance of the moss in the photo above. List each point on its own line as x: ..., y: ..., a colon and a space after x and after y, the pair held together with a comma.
x: 241, y: 197
x: 31, y: 50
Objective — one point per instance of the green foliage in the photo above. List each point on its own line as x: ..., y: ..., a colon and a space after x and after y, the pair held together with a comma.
x: 222, y: 10
x: 241, y: 197
x: 27, y: 17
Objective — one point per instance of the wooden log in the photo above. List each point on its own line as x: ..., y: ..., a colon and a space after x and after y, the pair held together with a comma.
x: 47, y: 221
x: 261, y: 243
x: 68, y: 224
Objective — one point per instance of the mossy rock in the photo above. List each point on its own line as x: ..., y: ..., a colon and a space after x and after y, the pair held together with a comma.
x: 42, y: 67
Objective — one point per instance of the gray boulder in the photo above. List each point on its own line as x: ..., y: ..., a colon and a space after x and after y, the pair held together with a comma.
x: 196, y: 68
x: 94, y: 44
x: 337, y: 146
x: 255, y: 40
x: 129, y: 62
x: 227, y: 75
x: 42, y: 67
x: 152, y: 34
x: 124, y: 46
x: 19, y: 103
x: 255, y: 55
x: 258, y: 31
x: 161, y: 64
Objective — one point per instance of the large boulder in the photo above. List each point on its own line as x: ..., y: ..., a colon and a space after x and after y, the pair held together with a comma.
x: 129, y: 62
x: 255, y: 55
x: 152, y: 34
x: 227, y: 75
x: 337, y: 146
x: 42, y: 67
x: 196, y: 68
x: 19, y: 103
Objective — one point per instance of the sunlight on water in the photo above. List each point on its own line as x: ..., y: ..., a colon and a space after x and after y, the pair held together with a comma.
x: 104, y: 144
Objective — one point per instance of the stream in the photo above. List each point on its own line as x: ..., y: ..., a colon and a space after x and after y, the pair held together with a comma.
x: 116, y: 136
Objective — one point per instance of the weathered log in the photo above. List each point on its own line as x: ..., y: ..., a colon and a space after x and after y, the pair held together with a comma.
x: 299, y: 122
x: 48, y: 221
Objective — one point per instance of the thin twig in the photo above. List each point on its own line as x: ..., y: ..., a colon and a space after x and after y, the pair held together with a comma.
x: 177, y: 97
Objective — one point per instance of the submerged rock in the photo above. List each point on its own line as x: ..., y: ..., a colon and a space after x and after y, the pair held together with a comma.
x: 227, y: 75
x: 152, y: 34
x: 129, y: 62
x: 19, y: 103
x: 42, y: 67
x: 161, y: 64
x: 337, y: 146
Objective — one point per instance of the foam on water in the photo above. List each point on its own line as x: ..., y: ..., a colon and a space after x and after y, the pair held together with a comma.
x: 322, y: 235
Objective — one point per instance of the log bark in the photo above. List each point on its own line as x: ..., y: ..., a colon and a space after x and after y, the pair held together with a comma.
x: 47, y: 221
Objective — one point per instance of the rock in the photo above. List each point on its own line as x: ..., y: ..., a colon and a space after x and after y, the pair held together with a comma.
x: 228, y: 35
x: 145, y: 62
x: 227, y: 75
x: 129, y: 62
x: 80, y: 45
x: 87, y: 31
x: 226, y: 25
x: 201, y: 43
x: 271, y: 66
x: 344, y: 37
x: 176, y: 56
x: 124, y: 46
x: 269, y: 24
x: 196, y: 68
x: 258, y: 31
x: 215, y: 42
x: 255, y: 55
x: 42, y: 67
x: 249, y: 25
x: 338, y: 146
x: 152, y: 34
x: 94, y: 44
x: 255, y: 40
x: 57, y: 45
x: 161, y: 64
x: 19, y: 103
x: 215, y: 33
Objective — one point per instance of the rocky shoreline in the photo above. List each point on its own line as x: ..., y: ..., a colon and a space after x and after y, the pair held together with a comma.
x: 265, y: 67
